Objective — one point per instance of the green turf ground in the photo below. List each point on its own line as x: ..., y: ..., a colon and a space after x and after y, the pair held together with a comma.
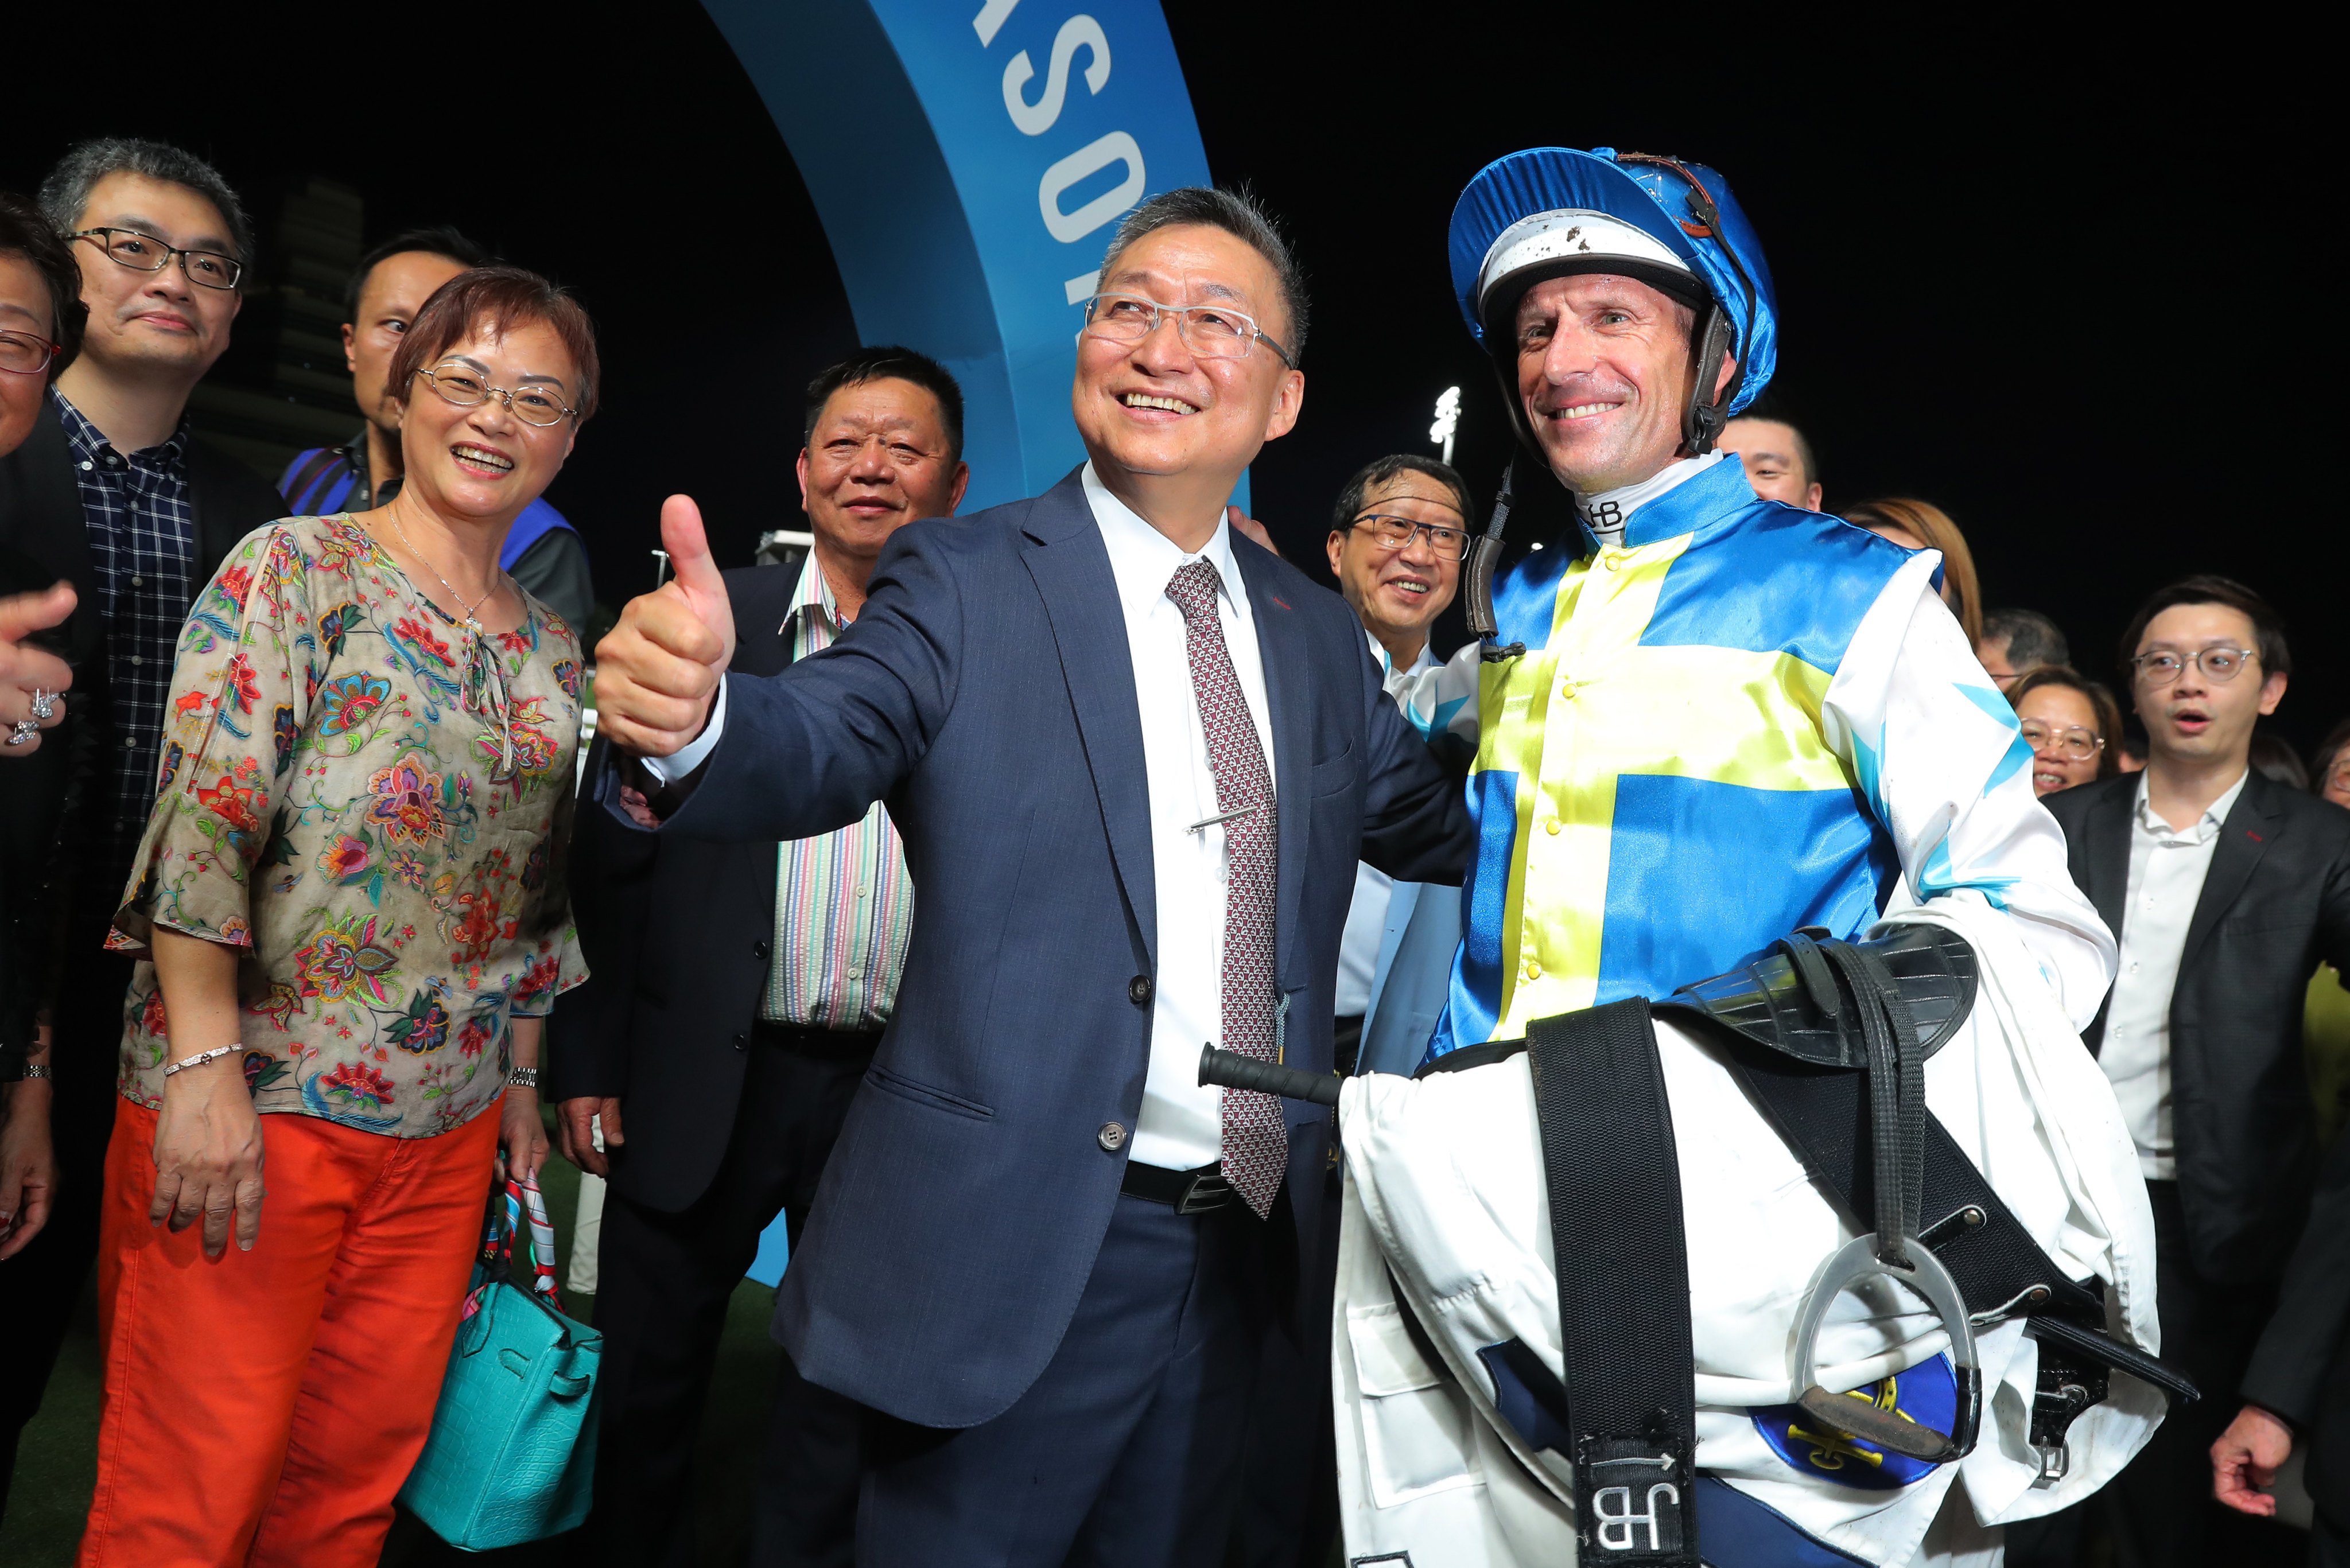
x: 56, y: 1461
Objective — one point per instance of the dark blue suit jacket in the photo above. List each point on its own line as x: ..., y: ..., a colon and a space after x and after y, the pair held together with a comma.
x: 987, y: 694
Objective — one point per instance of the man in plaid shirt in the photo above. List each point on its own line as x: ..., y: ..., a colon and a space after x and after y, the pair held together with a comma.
x: 112, y: 493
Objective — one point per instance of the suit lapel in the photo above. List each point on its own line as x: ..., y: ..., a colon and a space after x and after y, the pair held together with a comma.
x: 215, y: 531
x: 2254, y: 824
x: 58, y: 536
x: 763, y: 641
x: 1065, y: 556
x: 1288, y: 668
x: 2107, y: 851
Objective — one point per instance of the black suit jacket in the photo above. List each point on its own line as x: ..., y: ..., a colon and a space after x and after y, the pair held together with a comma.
x: 2275, y: 901
x: 675, y: 933
x: 45, y: 847
x: 2299, y: 1370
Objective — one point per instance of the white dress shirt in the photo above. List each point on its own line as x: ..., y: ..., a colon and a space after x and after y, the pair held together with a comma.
x: 2166, y: 867
x: 1182, y: 1126
x: 1367, y: 917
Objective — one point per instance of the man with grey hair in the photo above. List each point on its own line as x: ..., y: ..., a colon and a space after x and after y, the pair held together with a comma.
x: 1133, y: 760
x: 113, y: 494
x: 2014, y: 641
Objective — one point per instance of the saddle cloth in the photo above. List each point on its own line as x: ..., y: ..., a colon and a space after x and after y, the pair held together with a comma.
x: 1445, y: 1273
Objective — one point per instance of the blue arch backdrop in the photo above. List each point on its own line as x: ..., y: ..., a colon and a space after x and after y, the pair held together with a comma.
x: 968, y: 160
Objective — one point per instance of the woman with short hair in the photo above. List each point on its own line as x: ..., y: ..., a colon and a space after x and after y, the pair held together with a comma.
x: 2072, y: 724
x: 351, y: 905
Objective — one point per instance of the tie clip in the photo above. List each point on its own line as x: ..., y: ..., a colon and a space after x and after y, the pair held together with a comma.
x: 1208, y: 822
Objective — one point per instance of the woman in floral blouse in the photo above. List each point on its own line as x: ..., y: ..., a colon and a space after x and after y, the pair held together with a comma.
x: 351, y: 897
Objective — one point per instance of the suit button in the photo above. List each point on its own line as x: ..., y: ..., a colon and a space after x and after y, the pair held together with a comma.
x: 1137, y: 990
x: 742, y: 1042
x: 759, y: 951
x: 1112, y: 1136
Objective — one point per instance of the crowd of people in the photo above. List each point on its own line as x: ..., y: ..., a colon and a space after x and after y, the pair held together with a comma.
x: 314, y: 916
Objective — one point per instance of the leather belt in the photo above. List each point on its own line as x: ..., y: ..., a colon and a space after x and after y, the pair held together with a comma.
x: 1199, y: 1191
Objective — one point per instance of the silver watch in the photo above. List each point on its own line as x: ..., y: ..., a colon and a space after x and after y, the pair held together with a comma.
x: 522, y: 1077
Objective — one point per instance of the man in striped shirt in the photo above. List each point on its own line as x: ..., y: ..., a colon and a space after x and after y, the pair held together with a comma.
x: 735, y: 1005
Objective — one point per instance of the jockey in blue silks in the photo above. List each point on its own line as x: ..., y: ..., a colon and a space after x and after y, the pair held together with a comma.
x: 1703, y: 722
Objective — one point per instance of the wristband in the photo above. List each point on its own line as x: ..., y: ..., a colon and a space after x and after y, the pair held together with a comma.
x: 522, y: 1077
x: 37, y: 1070
x: 199, y: 1059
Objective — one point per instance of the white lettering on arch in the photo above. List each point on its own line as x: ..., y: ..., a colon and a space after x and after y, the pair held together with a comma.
x: 1077, y: 33
x: 990, y: 16
x: 1091, y: 159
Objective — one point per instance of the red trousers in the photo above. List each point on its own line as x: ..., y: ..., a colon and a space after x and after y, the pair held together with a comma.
x: 265, y: 1409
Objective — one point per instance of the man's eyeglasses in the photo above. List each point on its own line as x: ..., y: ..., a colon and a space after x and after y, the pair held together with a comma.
x: 531, y: 405
x: 1210, y: 331
x: 1391, y: 533
x: 2220, y: 664
x: 2070, y: 742
x: 145, y: 253
x: 24, y: 354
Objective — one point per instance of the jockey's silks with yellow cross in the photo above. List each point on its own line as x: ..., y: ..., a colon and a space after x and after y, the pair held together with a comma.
x: 1656, y: 793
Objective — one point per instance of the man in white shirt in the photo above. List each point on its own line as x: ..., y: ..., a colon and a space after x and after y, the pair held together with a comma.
x: 1397, y: 538
x: 2224, y: 891
x: 1133, y: 763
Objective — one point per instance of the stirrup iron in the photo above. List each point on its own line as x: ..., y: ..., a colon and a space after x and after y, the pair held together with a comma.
x: 1855, y: 1260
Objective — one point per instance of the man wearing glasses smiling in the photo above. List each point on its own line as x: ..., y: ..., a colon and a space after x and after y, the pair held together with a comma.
x: 110, y: 493
x: 1134, y: 760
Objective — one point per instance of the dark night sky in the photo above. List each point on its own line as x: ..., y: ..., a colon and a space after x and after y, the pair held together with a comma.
x: 2066, y: 288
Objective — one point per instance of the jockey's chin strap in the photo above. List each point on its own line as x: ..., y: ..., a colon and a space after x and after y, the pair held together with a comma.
x: 1484, y: 555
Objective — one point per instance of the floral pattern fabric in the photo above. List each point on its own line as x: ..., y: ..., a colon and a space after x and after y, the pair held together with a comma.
x: 370, y: 801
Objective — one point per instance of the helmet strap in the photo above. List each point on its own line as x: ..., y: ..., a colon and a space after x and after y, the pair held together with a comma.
x: 1702, y: 420
x: 1484, y: 553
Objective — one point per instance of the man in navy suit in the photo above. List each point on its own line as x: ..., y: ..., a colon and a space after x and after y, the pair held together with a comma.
x: 1134, y: 760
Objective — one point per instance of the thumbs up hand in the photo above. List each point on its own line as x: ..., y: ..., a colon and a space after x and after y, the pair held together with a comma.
x: 658, y: 668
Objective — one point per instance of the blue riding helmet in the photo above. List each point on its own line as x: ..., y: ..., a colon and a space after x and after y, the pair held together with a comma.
x: 1551, y: 210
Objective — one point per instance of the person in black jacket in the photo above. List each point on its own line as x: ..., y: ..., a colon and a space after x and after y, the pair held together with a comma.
x: 2298, y: 1384
x: 110, y: 492
x: 2224, y: 890
x: 735, y: 997
x: 41, y: 316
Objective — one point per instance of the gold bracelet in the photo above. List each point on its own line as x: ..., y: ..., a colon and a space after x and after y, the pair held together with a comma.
x: 199, y: 1059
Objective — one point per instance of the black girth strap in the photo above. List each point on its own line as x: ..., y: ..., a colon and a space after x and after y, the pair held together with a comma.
x: 1825, y: 1116
x: 1614, y: 1191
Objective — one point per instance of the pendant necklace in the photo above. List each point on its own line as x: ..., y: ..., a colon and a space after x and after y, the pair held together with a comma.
x: 485, y: 682
x: 473, y: 623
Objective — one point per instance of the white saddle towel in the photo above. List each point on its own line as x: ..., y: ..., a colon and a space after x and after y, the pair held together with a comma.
x: 1445, y: 1204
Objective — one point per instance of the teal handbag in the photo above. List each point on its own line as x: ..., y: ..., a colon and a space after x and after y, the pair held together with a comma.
x: 512, y: 1455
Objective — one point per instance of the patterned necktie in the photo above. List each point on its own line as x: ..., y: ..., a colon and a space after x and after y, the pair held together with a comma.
x: 1255, y: 1141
